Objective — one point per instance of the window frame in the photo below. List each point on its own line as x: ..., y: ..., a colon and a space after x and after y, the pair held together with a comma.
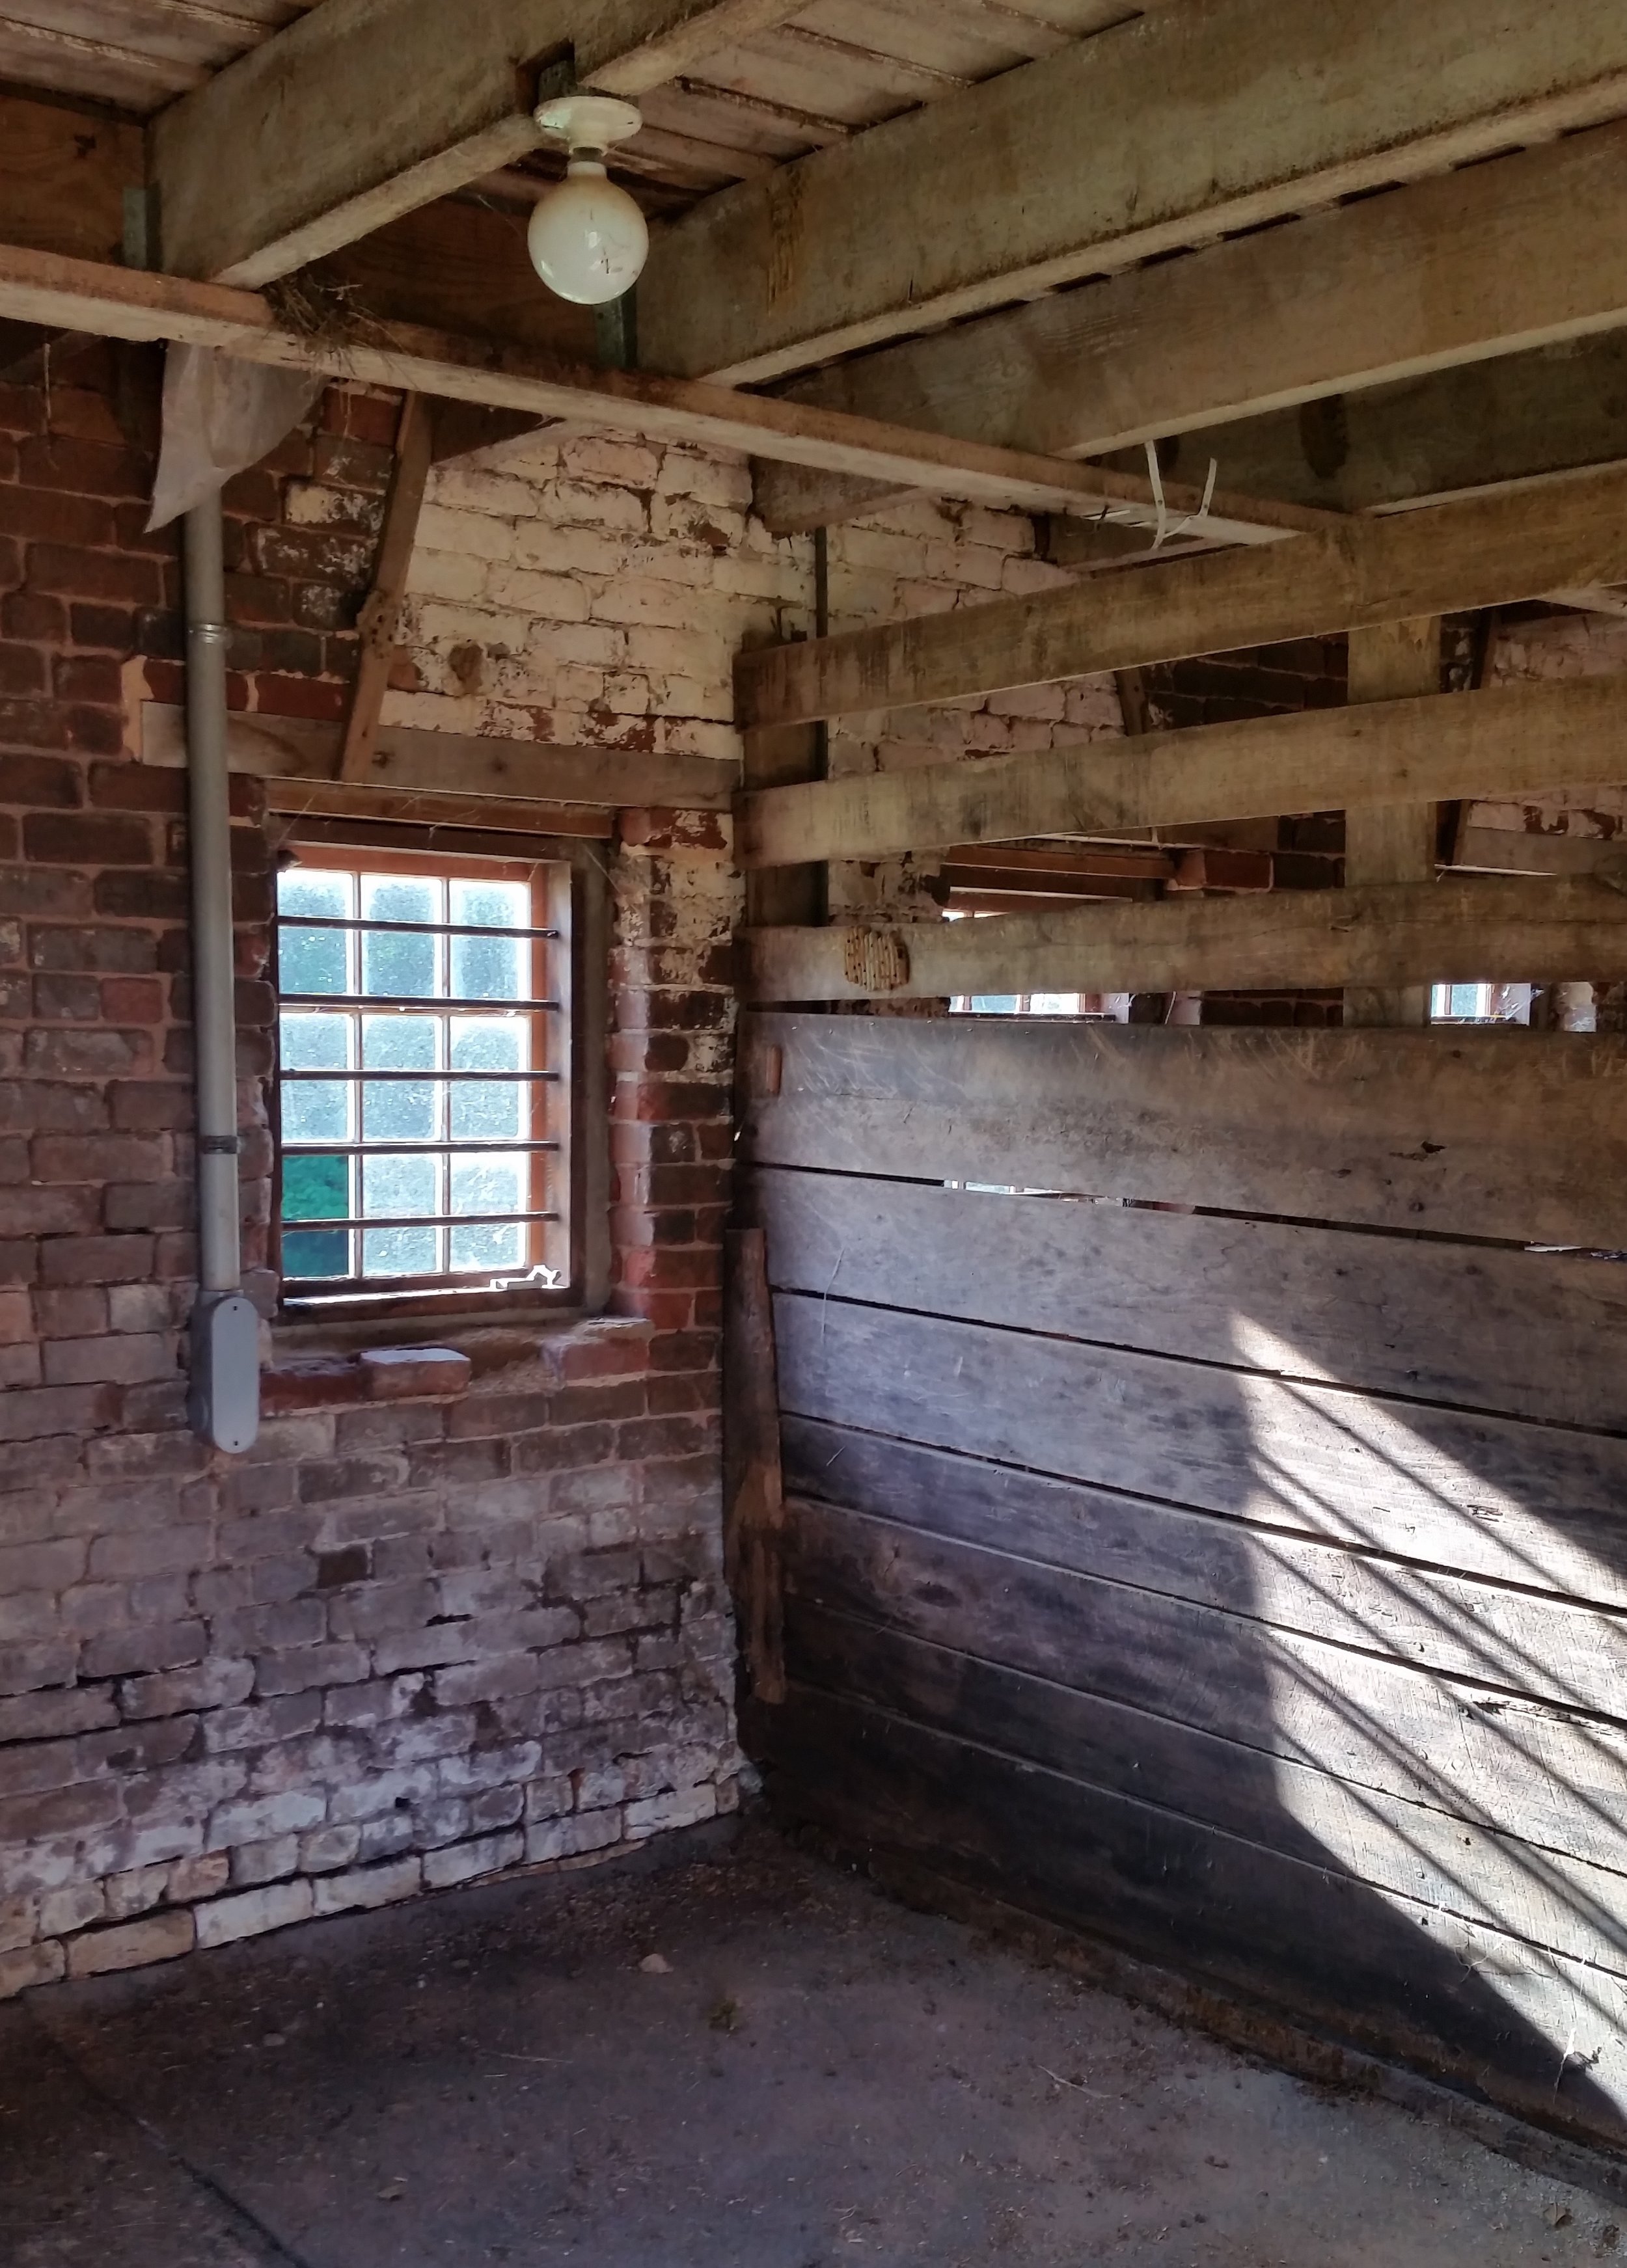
x: 574, y: 901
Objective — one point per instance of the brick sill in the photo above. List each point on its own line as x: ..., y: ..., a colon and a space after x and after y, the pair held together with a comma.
x: 339, y: 1366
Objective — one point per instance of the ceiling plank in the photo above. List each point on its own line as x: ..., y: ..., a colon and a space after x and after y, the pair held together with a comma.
x: 1186, y: 124
x: 132, y: 304
x: 1481, y: 551
x: 364, y: 109
x: 1514, y: 741
x: 1520, y: 253
x: 1385, y: 935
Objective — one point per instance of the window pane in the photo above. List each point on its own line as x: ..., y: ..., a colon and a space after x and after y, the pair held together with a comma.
x: 316, y: 1187
x: 488, y: 1111
x: 318, y: 895
x: 313, y: 1111
x: 491, y: 967
x: 316, y: 1252
x: 488, y: 1185
x: 398, y: 1042
x: 403, y: 966
x: 314, y: 960
x: 393, y: 1186
x: 316, y: 1042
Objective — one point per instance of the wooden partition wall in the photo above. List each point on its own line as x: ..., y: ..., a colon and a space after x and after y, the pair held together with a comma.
x: 1214, y: 1536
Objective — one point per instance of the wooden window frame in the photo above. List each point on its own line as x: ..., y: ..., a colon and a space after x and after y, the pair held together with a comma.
x: 574, y: 893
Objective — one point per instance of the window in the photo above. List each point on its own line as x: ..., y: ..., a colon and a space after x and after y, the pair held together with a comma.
x: 424, y: 1077
x: 1480, y: 1003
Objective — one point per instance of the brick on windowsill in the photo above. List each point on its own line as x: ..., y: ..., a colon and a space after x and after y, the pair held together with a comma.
x: 329, y: 1381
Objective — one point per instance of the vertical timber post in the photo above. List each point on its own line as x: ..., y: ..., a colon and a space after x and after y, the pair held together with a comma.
x: 1394, y: 843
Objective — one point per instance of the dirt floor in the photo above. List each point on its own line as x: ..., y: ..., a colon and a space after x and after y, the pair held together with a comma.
x: 750, y: 2060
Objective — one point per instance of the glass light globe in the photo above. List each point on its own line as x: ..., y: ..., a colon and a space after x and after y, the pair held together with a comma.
x: 589, y: 240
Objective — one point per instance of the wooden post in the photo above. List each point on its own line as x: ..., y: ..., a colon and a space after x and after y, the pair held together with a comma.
x: 753, y: 1488
x: 1395, y: 842
x: 381, y: 614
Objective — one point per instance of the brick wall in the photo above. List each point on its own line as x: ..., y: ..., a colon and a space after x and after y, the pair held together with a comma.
x: 418, y: 1636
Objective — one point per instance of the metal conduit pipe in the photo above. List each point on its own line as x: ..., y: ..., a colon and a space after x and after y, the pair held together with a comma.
x: 224, y: 1394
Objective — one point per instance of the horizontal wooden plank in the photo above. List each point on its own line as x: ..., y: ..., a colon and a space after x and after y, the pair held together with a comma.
x: 1517, y: 254
x: 123, y: 303
x: 1555, y: 1652
x: 1548, y: 1898
x: 1499, y: 1133
x: 1461, y: 929
x: 453, y: 763
x: 1536, y: 2031
x: 1534, y: 1335
x: 1482, y: 1496
x: 1512, y: 741
x: 1204, y: 121
x: 1460, y: 1749
x: 1480, y: 551
x: 312, y: 800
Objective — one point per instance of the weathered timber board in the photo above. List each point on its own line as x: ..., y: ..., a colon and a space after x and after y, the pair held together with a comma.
x: 1462, y: 1749
x: 1485, y: 1496
x: 1512, y: 741
x: 1389, y: 932
x: 1536, y: 1335
x: 1547, y: 1898
x: 1563, y: 1655
x: 1496, y: 1133
x: 1537, y: 2032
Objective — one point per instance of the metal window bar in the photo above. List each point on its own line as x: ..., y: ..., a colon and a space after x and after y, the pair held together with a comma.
x: 397, y: 1003
x: 443, y: 1008
x: 419, y: 1221
x: 409, y: 929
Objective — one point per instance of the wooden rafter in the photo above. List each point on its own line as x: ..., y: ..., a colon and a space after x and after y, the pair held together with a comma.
x: 1524, y: 252
x: 122, y: 303
x: 1202, y: 121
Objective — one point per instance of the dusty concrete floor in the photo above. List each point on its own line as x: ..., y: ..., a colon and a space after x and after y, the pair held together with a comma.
x: 817, y: 2077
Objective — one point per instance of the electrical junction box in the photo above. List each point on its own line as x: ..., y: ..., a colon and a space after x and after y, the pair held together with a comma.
x: 223, y: 1404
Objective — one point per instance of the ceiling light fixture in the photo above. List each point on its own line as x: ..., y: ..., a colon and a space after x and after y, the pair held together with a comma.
x: 588, y: 239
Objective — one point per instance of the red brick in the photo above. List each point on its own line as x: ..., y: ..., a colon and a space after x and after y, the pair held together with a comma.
x: 23, y: 890
x: 80, y: 1311
x: 58, y: 517
x: 22, y: 669
x: 55, y: 567
x: 28, y: 1414
x: 150, y: 1107
x: 37, y: 724
x: 99, y: 1157
x: 39, y: 1106
x: 87, y: 838
x: 110, y: 628
x: 28, y: 615
x: 88, y: 677
x: 300, y: 696
x: 67, y: 999
x: 140, y: 897
x: 40, y: 781
x: 106, y: 951
x: 97, y: 1260
x: 94, y: 469
x: 85, y: 1055
x: 149, y: 1203
x: 22, y: 410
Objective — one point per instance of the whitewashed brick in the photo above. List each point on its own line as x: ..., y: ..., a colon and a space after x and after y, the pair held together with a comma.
x: 366, y: 1888
x: 277, y: 1906
x: 574, y: 1838
x: 34, y: 1964
x: 462, y: 1862
x: 161, y: 1937
x: 683, y: 1806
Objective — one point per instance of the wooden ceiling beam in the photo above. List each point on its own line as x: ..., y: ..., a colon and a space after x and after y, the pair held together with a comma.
x: 131, y: 304
x: 1515, y: 741
x: 1487, y: 550
x: 1169, y: 131
x: 363, y: 109
x: 1523, y: 251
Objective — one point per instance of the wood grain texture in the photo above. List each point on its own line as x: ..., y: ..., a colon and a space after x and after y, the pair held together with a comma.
x: 62, y: 178
x: 1458, y: 1748
x: 753, y: 1496
x: 1481, y: 551
x: 1515, y: 740
x: 1206, y: 121
x: 118, y: 302
x: 1533, y: 1335
x: 1492, y: 1133
x: 365, y: 109
x: 1513, y: 255
x: 1548, y: 1897
x: 1301, y: 1933
x: 1494, y: 1498
x: 381, y: 614
x: 407, y: 759
x: 1386, y: 935
x: 1391, y: 842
